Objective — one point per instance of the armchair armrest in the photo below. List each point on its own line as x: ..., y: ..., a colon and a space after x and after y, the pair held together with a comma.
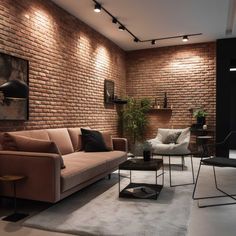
x: 42, y: 171
x: 120, y: 144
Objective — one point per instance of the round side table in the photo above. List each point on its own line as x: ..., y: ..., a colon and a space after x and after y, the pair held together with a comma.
x: 14, y: 179
x: 203, y: 142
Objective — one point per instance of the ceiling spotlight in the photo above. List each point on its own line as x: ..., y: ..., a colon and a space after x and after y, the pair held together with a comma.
x: 114, y: 20
x: 136, y: 39
x: 121, y: 28
x: 97, y: 7
x: 185, y: 38
x: 153, y: 41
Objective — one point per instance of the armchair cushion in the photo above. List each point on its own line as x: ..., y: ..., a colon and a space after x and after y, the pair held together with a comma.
x: 171, y: 138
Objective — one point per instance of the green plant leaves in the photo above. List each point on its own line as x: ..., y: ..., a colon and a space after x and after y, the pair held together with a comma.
x: 134, y: 117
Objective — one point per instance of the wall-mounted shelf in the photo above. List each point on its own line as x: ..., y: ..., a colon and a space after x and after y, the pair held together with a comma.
x: 119, y: 101
x: 160, y: 110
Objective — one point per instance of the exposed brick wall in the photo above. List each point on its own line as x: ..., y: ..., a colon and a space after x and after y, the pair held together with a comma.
x: 186, y: 73
x: 68, y: 63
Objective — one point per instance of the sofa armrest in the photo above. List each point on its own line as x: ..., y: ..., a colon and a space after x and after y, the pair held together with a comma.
x: 42, y: 171
x: 120, y: 144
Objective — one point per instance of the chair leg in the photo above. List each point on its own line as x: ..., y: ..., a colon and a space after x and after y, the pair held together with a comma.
x: 216, y: 185
x: 182, y: 162
x: 195, y: 186
x: 229, y: 195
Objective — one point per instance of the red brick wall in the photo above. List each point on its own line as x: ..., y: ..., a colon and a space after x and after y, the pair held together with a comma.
x: 186, y: 73
x: 68, y: 63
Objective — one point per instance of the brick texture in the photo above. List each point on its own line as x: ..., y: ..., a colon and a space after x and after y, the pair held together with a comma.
x: 68, y: 63
x: 186, y: 73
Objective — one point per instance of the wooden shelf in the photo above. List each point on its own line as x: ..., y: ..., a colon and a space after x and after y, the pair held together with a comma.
x: 119, y: 101
x: 160, y: 109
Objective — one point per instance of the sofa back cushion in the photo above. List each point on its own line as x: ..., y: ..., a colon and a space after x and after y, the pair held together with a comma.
x: 26, y: 144
x: 62, y: 139
x: 76, y: 137
x: 37, y: 134
x: 107, y: 137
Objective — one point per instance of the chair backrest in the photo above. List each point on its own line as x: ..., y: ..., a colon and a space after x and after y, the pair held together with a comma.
x: 183, y: 138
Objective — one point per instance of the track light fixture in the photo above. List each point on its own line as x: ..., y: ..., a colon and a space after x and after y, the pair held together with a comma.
x: 153, y: 41
x: 185, y: 38
x: 99, y: 7
x: 114, y: 20
x: 121, y: 28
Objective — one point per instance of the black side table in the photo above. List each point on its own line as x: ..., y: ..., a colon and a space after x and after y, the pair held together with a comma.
x: 13, y: 179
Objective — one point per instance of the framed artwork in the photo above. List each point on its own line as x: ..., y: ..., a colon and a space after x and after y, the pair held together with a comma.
x: 109, y: 90
x: 14, y: 89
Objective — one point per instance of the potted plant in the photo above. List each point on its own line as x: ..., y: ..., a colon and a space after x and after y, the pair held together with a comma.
x: 134, y: 119
x: 200, y: 114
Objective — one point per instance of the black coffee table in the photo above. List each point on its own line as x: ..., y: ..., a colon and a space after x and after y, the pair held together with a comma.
x: 141, y: 190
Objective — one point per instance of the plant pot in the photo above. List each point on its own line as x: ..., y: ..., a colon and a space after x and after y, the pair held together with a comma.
x: 201, y: 120
x: 147, y: 155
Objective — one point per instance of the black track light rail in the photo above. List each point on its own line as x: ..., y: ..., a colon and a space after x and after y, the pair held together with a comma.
x: 136, y: 39
x: 113, y: 17
x: 172, y: 37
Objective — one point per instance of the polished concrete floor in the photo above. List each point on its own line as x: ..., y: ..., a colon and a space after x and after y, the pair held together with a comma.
x: 213, y: 221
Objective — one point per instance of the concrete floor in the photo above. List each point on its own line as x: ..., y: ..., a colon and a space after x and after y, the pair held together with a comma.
x: 213, y: 221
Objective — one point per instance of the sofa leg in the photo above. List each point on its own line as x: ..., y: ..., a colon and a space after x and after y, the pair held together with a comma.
x: 109, y: 176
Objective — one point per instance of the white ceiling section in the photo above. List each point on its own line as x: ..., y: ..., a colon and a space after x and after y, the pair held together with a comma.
x: 149, y: 19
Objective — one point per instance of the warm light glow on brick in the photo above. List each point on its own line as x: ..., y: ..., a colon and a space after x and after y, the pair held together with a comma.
x: 42, y: 21
x: 27, y: 16
x: 102, y: 59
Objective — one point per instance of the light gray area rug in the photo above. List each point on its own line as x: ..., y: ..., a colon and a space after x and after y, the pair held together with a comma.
x: 97, y: 210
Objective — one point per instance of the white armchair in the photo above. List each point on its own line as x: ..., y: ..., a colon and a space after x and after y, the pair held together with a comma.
x: 163, y: 142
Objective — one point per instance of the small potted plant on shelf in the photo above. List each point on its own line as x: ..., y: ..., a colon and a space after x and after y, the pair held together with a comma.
x: 147, y: 151
x: 200, y: 114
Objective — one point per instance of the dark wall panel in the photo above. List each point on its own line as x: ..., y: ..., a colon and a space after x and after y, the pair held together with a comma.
x: 225, y: 94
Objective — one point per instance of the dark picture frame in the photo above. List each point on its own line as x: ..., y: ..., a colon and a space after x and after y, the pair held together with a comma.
x: 109, y: 91
x: 14, y: 86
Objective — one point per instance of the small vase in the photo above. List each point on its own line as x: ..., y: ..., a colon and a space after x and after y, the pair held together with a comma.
x: 147, y: 155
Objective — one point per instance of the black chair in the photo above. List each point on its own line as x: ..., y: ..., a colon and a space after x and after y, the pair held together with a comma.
x: 216, y: 162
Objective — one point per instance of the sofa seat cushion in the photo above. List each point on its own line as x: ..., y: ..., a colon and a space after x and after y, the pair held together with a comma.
x: 80, y: 169
x: 83, y: 166
x: 114, y: 158
x: 62, y: 139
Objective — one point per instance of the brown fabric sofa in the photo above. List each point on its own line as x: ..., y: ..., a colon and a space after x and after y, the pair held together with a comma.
x: 46, y: 181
